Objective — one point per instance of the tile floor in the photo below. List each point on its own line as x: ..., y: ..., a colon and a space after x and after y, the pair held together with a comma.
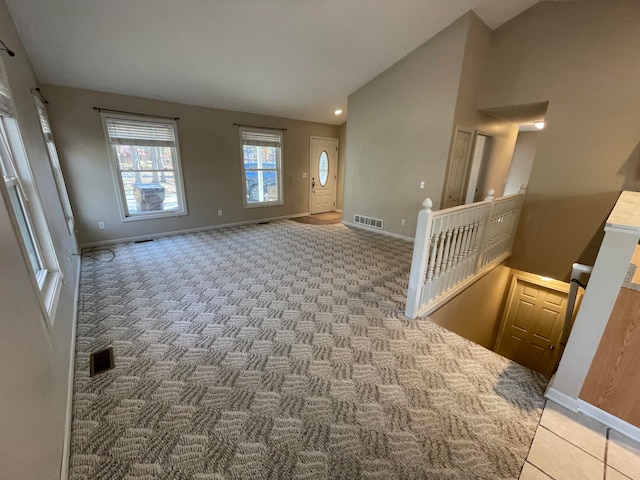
x: 573, y: 446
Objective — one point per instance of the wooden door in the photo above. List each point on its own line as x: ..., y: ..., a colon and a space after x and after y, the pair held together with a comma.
x: 458, y: 169
x: 532, y: 323
x: 324, y: 173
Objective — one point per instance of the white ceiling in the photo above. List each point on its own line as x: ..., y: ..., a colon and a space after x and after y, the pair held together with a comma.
x: 291, y: 58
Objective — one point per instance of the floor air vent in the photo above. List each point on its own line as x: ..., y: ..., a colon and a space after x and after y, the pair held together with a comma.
x: 101, y: 361
x: 368, y: 221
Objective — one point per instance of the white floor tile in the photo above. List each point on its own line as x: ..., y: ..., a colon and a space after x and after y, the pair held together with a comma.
x: 586, y: 433
x: 562, y: 460
x: 529, y: 472
x: 623, y: 454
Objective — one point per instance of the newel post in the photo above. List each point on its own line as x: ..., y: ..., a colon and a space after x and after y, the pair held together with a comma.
x: 419, y: 259
x: 491, y: 196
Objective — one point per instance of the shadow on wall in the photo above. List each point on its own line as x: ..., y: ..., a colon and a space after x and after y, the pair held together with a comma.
x: 630, y: 170
x: 553, y: 229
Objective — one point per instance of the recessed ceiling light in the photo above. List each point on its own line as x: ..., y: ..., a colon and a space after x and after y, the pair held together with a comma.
x: 538, y: 125
x: 338, y: 112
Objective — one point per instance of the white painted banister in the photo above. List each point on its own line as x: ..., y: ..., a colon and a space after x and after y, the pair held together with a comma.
x: 455, y: 246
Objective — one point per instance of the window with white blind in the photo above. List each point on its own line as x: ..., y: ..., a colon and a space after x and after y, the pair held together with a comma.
x: 261, y: 167
x: 146, y: 165
x: 25, y: 209
x: 54, y: 161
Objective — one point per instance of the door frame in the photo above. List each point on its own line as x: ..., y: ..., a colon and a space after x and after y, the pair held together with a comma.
x: 539, y: 280
x: 335, y: 188
x: 484, y: 161
x: 452, y: 144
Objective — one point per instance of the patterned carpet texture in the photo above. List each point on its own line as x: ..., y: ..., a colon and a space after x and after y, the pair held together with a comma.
x: 280, y: 351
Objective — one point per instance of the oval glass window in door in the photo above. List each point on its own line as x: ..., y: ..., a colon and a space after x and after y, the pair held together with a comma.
x: 323, y: 168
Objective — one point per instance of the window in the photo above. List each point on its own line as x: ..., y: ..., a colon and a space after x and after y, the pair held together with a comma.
x: 54, y: 161
x: 146, y: 165
x: 261, y: 167
x: 25, y: 209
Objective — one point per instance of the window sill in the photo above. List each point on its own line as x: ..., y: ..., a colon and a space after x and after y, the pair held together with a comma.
x: 263, y: 204
x: 49, y: 294
x: 151, y: 216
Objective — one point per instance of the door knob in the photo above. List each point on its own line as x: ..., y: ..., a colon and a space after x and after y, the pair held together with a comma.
x: 313, y: 182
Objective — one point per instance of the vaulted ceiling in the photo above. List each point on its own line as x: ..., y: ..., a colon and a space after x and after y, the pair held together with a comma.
x: 291, y: 58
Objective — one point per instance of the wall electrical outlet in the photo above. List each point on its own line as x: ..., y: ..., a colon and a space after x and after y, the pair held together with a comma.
x: 101, y: 225
x: 219, y: 213
x: 421, y: 184
x: 403, y: 222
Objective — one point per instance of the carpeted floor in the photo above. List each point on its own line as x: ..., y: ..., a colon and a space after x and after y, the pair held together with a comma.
x: 280, y: 351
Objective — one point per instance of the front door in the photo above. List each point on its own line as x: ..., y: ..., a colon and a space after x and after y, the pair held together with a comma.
x: 324, y: 174
x: 532, y: 324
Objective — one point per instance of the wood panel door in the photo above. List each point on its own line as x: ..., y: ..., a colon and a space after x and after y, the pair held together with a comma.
x: 532, y: 323
x: 457, y: 177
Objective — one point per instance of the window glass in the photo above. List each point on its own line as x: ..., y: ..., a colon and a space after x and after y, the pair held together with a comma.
x: 24, y: 206
x: 261, y: 167
x: 147, y: 165
x: 323, y: 168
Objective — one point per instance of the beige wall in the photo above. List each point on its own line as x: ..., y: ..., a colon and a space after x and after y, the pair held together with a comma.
x: 503, y: 133
x: 476, y: 312
x: 34, y: 357
x: 583, y: 58
x: 398, y: 134
x: 209, y: 152
x: 342, y: 160
x: 522, y: 163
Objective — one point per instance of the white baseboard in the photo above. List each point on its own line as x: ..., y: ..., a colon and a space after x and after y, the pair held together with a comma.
x: 188, y: 230
x: 66, y: 446
x: 562, y: 399
x: 377, y: 230
x: 605, y: 418
x: 609, y: 420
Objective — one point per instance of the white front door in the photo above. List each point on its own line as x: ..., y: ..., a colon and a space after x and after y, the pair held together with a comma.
x: 324, y: 174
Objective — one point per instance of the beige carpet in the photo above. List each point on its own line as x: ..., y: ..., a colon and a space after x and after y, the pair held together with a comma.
x: 280, y: 351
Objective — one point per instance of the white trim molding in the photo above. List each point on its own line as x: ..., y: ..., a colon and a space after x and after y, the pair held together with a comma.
x: 66, y: 446
x: 605, y: 418
x: 609, y: 420
x: 188, y: 230
x: 376, y: 230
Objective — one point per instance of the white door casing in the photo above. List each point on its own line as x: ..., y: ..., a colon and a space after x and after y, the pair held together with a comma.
x: 323, y: 167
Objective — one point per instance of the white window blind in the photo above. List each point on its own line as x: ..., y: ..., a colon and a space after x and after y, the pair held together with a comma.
x: 6, y: 104
x: 44, y: 123
x: 261, y: 139
x: 141, y: 133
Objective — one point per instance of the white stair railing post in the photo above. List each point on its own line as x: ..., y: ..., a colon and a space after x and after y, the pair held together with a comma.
x: 420, y: 256
x: 456, y: 246
x: 484, y: 230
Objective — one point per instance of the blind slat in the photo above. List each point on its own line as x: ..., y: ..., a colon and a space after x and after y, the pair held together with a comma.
x: 261, y: 139
x: 44, y: 122
x: 6, y: 103
x: 141, y: 133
